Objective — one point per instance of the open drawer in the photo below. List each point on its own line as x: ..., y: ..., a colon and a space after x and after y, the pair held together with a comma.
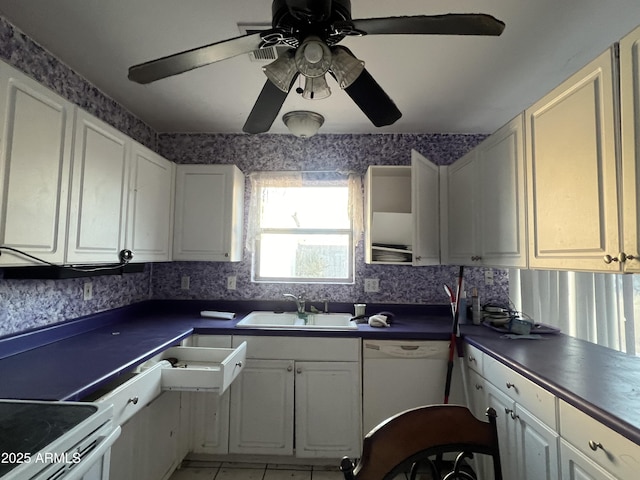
x: 201, y: 369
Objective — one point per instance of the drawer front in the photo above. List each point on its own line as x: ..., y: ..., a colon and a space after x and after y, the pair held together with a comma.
x: 534, y: 398
x: 203, y: 369
x: 474, y: 358
x: 130, y: 397
x: 615, y: 453
x: 298, y: 348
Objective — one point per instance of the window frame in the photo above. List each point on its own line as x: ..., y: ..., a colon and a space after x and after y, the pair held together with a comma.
x: 349, y: 280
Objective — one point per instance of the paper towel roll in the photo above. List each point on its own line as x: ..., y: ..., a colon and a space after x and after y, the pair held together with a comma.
x: 218, y: 315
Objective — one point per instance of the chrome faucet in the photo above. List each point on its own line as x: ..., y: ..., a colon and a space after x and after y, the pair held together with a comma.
x: 300, y: 304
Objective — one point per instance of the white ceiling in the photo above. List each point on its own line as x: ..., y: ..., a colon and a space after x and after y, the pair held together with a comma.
x: 441, y: 84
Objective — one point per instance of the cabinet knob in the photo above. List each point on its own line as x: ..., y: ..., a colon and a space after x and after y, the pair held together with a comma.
x: 624, y: 257
x: 472, y: 359
x: 239, y: 364
x: 290, y: 368
x: 595, y: 445
x: 133, y: 400
x: 479, y: 387
x: 298, y: 370
x: 608, y: 259
x: 508, y: 411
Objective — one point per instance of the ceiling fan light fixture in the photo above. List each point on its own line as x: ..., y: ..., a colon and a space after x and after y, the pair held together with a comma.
x: 316, y: 88
x: 345, y: 66
x: 303, y: 123
x: 282, y: 71
x: 313, y: 57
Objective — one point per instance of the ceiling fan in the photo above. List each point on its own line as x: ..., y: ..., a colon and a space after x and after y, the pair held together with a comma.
x: 312, y: 30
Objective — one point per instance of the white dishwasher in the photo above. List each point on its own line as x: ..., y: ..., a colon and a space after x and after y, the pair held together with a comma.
x: 401, y: 374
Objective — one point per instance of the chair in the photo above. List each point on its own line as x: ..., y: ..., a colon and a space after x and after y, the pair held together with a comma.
x: 414, y: 437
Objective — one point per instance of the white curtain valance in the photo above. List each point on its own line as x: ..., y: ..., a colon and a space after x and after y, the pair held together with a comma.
x: 259, y: 180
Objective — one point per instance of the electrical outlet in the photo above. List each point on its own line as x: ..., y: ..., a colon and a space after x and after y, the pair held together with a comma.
x: 184, y: 283
x: 87, y: 291
x: 371, y: 285
x: 488, y: 277
x: 231, y: 282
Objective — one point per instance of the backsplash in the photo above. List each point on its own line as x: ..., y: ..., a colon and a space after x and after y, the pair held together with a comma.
x: 398, y: 283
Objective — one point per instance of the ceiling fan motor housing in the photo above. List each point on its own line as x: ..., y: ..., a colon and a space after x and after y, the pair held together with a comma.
x: 301, y: 18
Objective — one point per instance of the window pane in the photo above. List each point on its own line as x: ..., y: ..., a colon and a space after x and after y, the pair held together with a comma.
x: 304, y: 256
x: 305, y: 207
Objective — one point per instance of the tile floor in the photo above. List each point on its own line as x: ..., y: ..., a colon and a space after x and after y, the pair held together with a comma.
x: 194, y: 470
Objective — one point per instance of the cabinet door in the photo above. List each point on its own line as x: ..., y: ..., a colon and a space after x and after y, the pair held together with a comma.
x: 425, y: 205
x: 537, y: 448
x: 209, y: 211
x: 630, y: 112
x: 501, y: 197
x: 576, y: 466
x: 261, y: 413
x: 462, y: 179
x: 37, y: 130
x: 149, y: 233
x: 160, y: 423
x: 125, y: 461
x: 99, y: 192
x: 328, y: 418
x: 571, y: 172
x: 507, y: 435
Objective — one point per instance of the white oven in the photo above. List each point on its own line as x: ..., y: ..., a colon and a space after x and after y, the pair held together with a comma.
x: 42, y: 440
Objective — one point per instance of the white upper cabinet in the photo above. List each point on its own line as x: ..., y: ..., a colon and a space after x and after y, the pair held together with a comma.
x: 461, y: 210
x: 209, y: 212
x: 571, y: 172
x: 37, y: 130
x: 150, y: 218
x: 99, y: 192
x: 486, y: 202
x: 630, y: 177
x: 501, y: 234
x: 402, y: 213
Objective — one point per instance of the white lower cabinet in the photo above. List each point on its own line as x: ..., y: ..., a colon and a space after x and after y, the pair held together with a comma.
x: 302, y: 405
x: 148, y: 446
x: 529, y: 441
x: 528, y: 447
x: 599, y: 445
x: 576, y: 466
x: 261, y: 414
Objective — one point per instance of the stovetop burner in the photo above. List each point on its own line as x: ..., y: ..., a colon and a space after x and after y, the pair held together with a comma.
x: 28, y: 427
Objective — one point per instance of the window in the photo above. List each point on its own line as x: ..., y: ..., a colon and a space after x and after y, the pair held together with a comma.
x: 602, y: 308
x: 301, y: 227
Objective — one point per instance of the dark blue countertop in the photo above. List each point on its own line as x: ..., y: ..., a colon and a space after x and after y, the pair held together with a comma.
x: 73, y: 359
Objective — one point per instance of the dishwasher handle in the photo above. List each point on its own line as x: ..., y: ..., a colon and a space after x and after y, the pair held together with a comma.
x: 433, y: 349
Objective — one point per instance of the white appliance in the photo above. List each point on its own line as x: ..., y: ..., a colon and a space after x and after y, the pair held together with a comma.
x: 42, y: 440
x: 399, y: 375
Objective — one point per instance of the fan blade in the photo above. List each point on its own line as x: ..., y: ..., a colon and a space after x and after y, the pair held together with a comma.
x: 266, y: 108
x: 449, y: 24
x: 372, y: 100
x: 197, y: 57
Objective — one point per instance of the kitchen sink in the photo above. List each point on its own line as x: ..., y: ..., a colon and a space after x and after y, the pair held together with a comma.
x: 290, y: 321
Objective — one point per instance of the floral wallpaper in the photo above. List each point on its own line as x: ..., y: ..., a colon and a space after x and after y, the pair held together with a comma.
x: 26, y: 304
x: 398, y: 283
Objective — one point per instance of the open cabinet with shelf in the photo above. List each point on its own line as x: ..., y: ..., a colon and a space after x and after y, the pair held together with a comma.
x: 402, y: 220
